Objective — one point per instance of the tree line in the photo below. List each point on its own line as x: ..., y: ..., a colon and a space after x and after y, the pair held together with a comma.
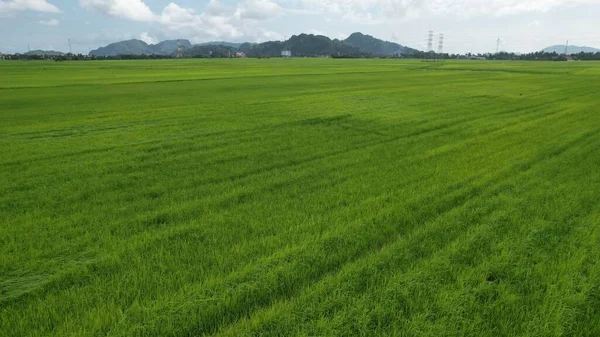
x: 230, y: 52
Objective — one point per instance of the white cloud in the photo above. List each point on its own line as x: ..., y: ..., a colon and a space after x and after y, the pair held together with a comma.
x: 185, y: 21
x: 27, y: 5
x: 216, y: 21
x: 534, y: 24
x: 266, y: 35
x: 135, y: 10
x: 215, y: 7
x: 257, y: 10
x: 378, y: 10
x: 316, y: 32
x: 51, y: 22
x: 147, y: 38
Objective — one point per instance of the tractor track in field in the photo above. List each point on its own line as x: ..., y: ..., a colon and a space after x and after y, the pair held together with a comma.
x: 459, y: 200
x: 423, y: 233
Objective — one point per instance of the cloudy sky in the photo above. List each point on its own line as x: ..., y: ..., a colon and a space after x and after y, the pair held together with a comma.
x: 468, y: 25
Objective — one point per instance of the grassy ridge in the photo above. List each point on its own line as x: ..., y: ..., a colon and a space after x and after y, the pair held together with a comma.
x: 299, y: 197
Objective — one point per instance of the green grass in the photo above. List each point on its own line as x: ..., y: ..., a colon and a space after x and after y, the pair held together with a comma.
x: 299, y: 198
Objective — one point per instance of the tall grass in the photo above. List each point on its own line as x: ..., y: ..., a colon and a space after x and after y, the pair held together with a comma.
x: 299, y: 197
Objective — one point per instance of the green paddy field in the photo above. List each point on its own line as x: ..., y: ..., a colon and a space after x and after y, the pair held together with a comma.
x: 303, y: 197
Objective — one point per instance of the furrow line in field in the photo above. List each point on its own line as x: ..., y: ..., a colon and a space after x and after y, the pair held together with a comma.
x: 225, y: 78
x: 277, y: 266
x: 195, y: 184
x: 366, y: 145
x: 372, y: 269
x: 507, y: 234
x: 291, y: 286
x: 234, y: 132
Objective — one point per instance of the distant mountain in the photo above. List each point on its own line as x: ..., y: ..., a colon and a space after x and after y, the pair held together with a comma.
x: 303, y: 45
x: 219, y: 43
x: 369, y: 44
x: 138, y: 47
x: 210, y: 50
x: 560, y: 49
x: 309, y: 45
x: 169, y: 47
x: 44, y: 53
x: 129, y: 47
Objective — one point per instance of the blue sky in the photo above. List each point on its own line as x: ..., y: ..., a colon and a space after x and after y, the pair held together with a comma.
x: 468, y: 25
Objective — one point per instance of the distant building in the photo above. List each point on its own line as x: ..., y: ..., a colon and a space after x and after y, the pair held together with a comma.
x: 240, y: 54
x: 286, y: 53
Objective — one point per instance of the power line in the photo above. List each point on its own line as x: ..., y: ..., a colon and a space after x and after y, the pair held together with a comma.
x: 179, y: 49
x: 430, y: 41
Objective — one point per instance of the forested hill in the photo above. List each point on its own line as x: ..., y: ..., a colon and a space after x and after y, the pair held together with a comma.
x: 138, y: 47
x: 560, y: 49
x: 369, y: 44
x: 303, y: 45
